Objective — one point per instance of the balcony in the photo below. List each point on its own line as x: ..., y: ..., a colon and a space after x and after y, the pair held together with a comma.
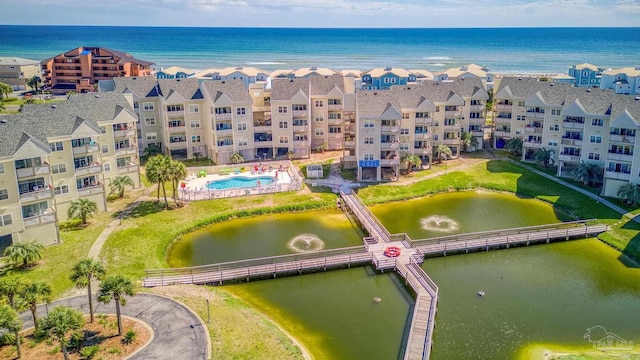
x: 39, y: 219
x: 533, y: 130
x: 572, y: 125
x: 574, y: 142
x: 124, y: 133
x: 40, y: 194
x: 451, y: 141
x: 617, y: 175
x: 424, y: 121
x: 178, y: 145
x: 502, y: 133
x: 477, y: 107
x: 334, y: 107
x: 299, y: 113
x: 622, y: 138
x: 176, y: 129
x: 453, y: 127
x: 389, y: 145
x: 228, y: 147
x: 335, y: 121
x: 175, y: 113
x: 535, y: 115
x: 225, y: 132
x: 392, y: 129
x: 350, y: 144
x: 225, y: 116
x: 262, y: 127
x: 569, y: 158
x: 261, y: 108
x: 422, y: 136
x: 86, y: 170
x: 453, y: 113
x: 300, y: 143
x: 504, y: 106
x: 300, y: 128
x: 477, y: 133
x: 32, y: 171
x: 389, y: 162
x: 502, y: 119
x: 128, y: 169
x: 348, y: 158
x: 131, y: 150
x: 424, y: 150
x: 477, y: 121
x: 86, y: 149
x: 621, y: 157
x: 91, y: 190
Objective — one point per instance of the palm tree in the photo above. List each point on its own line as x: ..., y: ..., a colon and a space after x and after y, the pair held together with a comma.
x: 410, y: 160
x: 5, y: 89
x: 34, y: 81
x: 82, y: 273
x: 10, y: 321
x: 629, y: 193
x: 514, y: 146
x: 82, y: 209
x: 118, y: 184
x: 157, y: 171
x: 115, y: 287
x: 33, y: 293
x: 587, y: 172
x: 237, y: 158
x: 177, y: 172
x: 290, y: 155
x: 543, y: 157
x: 25, y: 253
x: 323, y: 147
x: 11, y: 287
x: 468, y: 141
x: 197, y: 156
x: 61, y: 321
x: 442, y: 151
x: 151, y: 150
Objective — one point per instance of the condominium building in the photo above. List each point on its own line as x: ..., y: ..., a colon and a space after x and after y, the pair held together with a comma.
x: 586, y: 75
x: 15, y: 71
x: 304, y: 73
x: 51, y: 155
x: 248, y: 75
x: 622, y: 80
x: 80, y: 69
x: 576, y: 125
x: 384, y: 78
x: 466, y: 72
x: 174, y: 72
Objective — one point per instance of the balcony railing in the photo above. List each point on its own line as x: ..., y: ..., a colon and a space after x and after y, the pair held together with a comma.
x: 176, y: 129
x: 261, y: 128
x: 392, y: 129
x: 300, y: 143
x: 453, y: 127
x: 258, y: 108
x: 178, y: 144
x: 504, y: 106
x: 39, y: 219
x: 86, y: 149
x: 421, y: 136
x: 127, y: 169
x: 32, y: 171
x: 536, y: 115
x: 424, y: 121
x: 477, y: 121
x: 389, y: 145
x: 124, y: 133
x: 225, y: 132
x: 622, y: 138
x: 477, y: 107
x: 131, y: 150
x: 574, y: 142
x: 91, y: 190
x: 39, y: 194
x: 453, y: 113
x: 569, y: 158
x: 335, y: 121
x: 451, y: 141
x: 572, y: 125
x: 502, y: 133
x: 621, y: 157
x: 299, y: 113
x: 86, y: 170
x: 300, y: 128
x: 226, y: 116
x: 334, y: 107
x: 390, y: 162
x: 477, y: 133
x: 350, y: 144
x: 617, y: 175
x: 532, y: 129
x: 226, y: 147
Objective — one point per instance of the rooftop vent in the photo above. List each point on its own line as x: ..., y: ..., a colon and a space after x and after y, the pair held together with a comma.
x: 588, y: 90
x: 177, y: 79
x: 97, y: 96
x: 637, y: 98
x: 222, y: 82
x: 519, y: 79
x: 3, y: 121
x: 54, y: 106
x: 375, y: 93
x: 313, y: 68
x: 388, y: 68
x: 551, y: 84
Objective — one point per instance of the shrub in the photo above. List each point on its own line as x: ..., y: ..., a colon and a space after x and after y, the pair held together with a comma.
x: 89, y: 352
x: 76, y: 340
x: 129, y: 337
x: 114, y: 351
x: 69, y: 224
x: 7, y: 339
x: 55, y: 350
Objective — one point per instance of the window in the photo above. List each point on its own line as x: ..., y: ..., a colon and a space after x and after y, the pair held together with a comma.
x: 283, y: 124
x: 319, y: 117
x: 178, y: 107
x: 300, y: 137
x: 107, y: 167
x: 368, y: 141
x: 282, y: 109
x: 105, y: 149
x: 300, y: 122
x: 404, y: 146
x: 242, y: 127
x: 393, y: 80
x: 335, y: 116
x: 223, y: 110
x: 195, y: 139
x: 595, y: 139
x: 61, y: 190
x: 597, y: 122
x: 175, y: 123
x: 150, y: 121
x: 6, y: 220
x: 299, y: 107
x: 319, y: 103
x: 435, y: 137
x: 334, y: 102
x: 521, y: 103
x: 386, y: 80
x: 555, y: 111
x: 369, y: 124
x: 405, y: 116
x: 553, y: 143
x: 147, y: 106
x: 194, y: 108
x: 335, y: 130
x: 284, y: 139
x: 243, y: 142
x: 241, y: 111
x: 404, y: 131
x: 319, y: 132
x: 521, y: 117
x: 554, y: 127
x: 368, y: 157
x: 437, y: 108
x: 59, y: 168
x: 4, y: 194
x: 151, y: 136
x: 1, y: 169
x: 594, y: 156
x: 56, y: 146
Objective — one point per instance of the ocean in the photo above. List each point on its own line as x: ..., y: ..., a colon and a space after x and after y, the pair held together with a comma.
x: 502, y: 50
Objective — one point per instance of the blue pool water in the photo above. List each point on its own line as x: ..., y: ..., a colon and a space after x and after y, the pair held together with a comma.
x: 239, y: 182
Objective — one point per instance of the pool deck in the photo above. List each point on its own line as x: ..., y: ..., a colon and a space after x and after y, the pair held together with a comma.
x: 195, y: 188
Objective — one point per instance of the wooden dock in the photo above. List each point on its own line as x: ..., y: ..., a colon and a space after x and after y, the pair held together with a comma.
x: 407, y: 264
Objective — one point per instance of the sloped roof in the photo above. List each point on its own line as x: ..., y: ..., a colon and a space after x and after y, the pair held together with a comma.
x: 285, y: 89
x: 322, y: 85
x: 234, y: 89
x: 17, y: 61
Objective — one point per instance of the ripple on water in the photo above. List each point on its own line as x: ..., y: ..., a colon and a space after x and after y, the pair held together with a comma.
x: 439, y: 223
x: 305, y: 243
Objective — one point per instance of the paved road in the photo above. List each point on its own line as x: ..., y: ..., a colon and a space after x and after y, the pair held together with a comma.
x: 178, y: 332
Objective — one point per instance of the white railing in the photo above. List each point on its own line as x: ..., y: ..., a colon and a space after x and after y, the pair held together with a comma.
x: 37, y: 195
x: 32, y: 171
x: 85, y: 170
x: 86, y: 149
x: 569, y: 158
x: 124, y: 133
x: 91, y: 190
x: 39, y: 219
x: 127, y: 169
x: 131, y: 150
x: 617, y: 175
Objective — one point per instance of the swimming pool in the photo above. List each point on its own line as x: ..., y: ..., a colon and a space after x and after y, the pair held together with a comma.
x: 239, y: 182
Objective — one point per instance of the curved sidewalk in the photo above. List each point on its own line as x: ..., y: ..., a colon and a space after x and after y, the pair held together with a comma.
x: 178, y: 333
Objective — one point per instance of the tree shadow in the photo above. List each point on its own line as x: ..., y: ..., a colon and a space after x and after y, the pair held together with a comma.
x: 144, y: 208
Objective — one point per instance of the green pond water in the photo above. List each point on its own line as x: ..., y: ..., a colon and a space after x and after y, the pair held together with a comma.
x: 538, y: 296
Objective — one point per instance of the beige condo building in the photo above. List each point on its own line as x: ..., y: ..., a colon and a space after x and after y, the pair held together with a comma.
x: 51, y: 155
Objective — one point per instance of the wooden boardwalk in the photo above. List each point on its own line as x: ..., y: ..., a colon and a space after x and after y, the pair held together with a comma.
x: 406, y: 265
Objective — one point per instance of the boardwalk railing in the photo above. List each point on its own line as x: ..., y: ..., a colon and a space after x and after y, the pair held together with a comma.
x: 245, y: 269
x: 369, y: 221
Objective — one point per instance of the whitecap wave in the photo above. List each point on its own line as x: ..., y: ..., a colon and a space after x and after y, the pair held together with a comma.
x: 437, y: 64
x: 436, y: 58
x: 266, y: 63
x: 439, y: 223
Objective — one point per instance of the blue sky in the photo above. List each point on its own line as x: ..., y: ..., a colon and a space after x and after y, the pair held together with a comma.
x: 324, y: 13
